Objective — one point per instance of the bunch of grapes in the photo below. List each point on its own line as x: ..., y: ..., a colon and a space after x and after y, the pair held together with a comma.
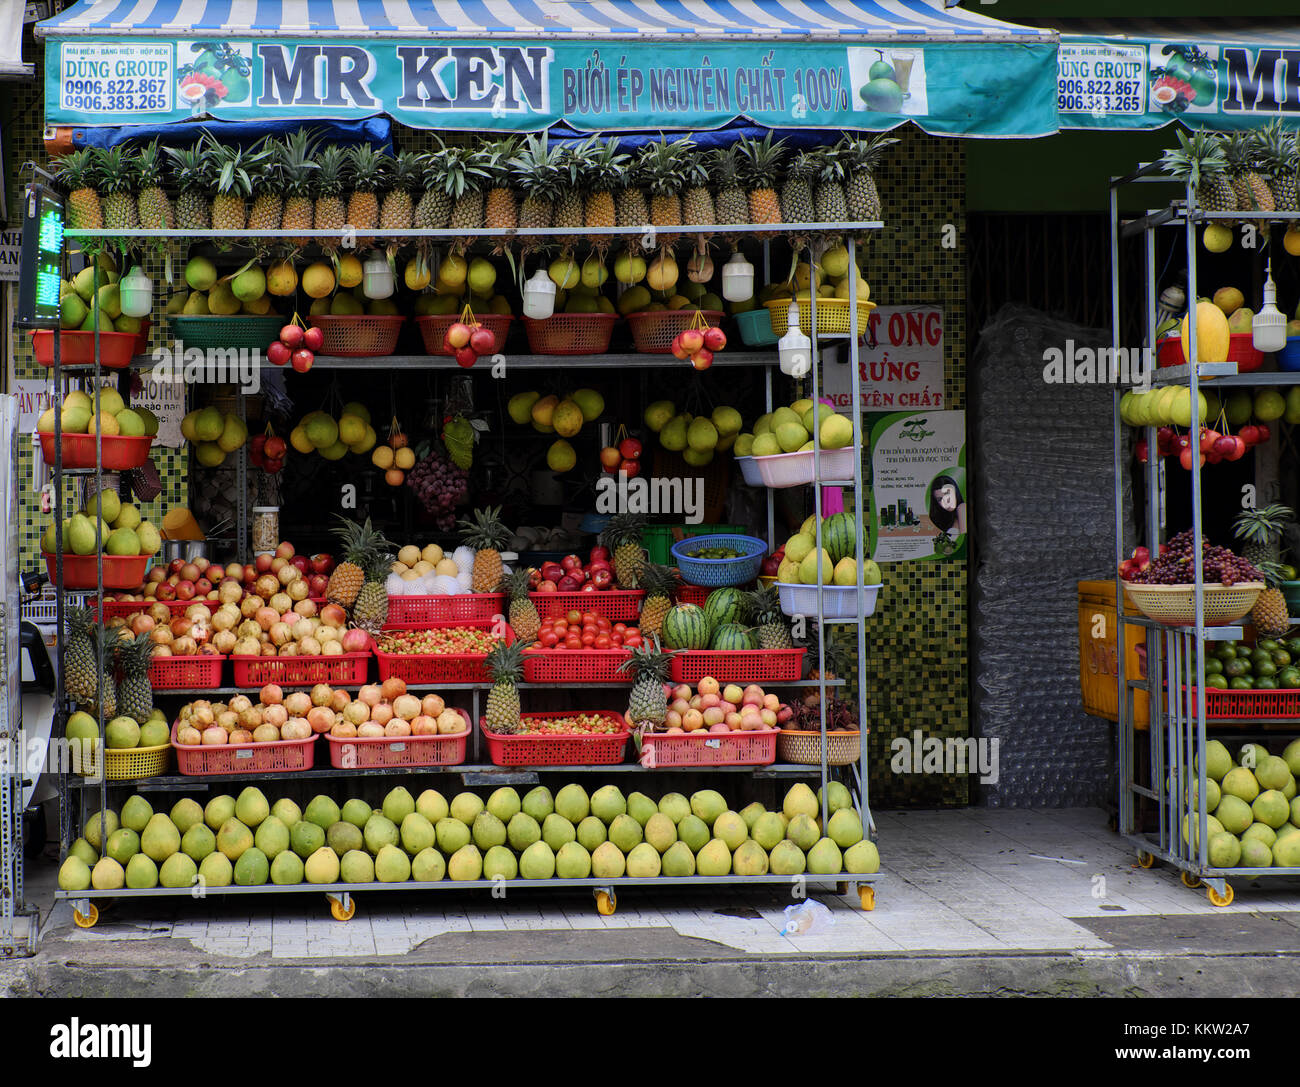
x: 1175, y: 566
x: 440, y: 486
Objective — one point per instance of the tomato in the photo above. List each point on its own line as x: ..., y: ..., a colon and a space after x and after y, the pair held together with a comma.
x: 550, y: 638
x: 616, y: 638
x: 575, y: 616
x: 602, y: 641
x: 602, y: 624
x: 573, y: 642
x: 589, y: 638
x: 560, y: 626
x: 620, y: 627
x: 632, y: 641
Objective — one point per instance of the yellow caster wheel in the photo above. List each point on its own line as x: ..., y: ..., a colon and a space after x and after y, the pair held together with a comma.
x: 1191, y: 881
x: 340, y: 912
x: 1217, y: 899
x: 867, y: 896
x: 85, y: 920
x: 1146, y: 860
x: 606, y: 903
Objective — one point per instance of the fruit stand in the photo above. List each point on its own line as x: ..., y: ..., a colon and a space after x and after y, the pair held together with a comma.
x: 1218, y: 659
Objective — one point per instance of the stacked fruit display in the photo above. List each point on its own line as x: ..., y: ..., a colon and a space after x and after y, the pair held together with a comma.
x: 191, y: 634
x: 247, y: 841
x: 1174, y: 564
x: 438, y: 482
x: 261, y: 631
x: 831, y: 279
x: 332, y: 438
x: 269, y: 574
x: 109, y: 416
x: 214, y: 435
x: 459, y: 282
x: 1252, y: 814
x: 387, y: 710
x: 790, y: 430
x: 395, y: 457
x: 699, y: 345
x: 267, y: 452
x: 584, y: 630
x: 837, y: 564
x: 122, y: 532
x: 624, y: 457
x: 552, y: 415
x: 120, y: 733
x: 80, y: 304
x: 572, y: 575
x: 696, y: 438
x: 437, y: 641
x: 1269, y: 665
x: 246, y: 291
x: 429, y: 571
x: 717, y: 708
x: 297, y: 346
x: 468, y: 340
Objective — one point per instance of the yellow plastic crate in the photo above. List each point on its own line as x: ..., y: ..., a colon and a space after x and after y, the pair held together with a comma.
x: 832, y: 316
x: 132, y: 763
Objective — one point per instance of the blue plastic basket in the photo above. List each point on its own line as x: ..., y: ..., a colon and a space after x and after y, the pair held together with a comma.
x: 716, y: 573
x: 1289, y: 357
x: 756, y: 328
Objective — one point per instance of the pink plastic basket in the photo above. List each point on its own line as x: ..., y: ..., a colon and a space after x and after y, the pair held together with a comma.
x: 570, y: 750
x: 576, y: 666
x: 703, y: 748
x: 276, y: 757
x: 434, y: 327
x: 363, y: 753
x: 570, y: 333
x: 358, y: 336
x: 421, y: 668
x: 343, y: 669
x: 415, y: 611
x: 653, y: 332
x: 199, y: 673
x: 616, y: 605
x: 737, y: 665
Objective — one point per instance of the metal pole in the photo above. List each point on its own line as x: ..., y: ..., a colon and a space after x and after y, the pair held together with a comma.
x: 859, y: 544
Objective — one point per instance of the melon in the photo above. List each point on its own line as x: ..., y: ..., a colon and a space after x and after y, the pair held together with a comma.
x: 723, y: 606
x: 1212, y: 334
x: 732, y: 636
x: 685, y: 627
x: 839, y: 536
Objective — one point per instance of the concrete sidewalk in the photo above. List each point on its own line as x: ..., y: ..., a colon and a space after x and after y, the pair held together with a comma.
x: 972, y: 902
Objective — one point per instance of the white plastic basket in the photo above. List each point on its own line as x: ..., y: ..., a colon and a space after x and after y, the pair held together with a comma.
x: 795, y: 469
x: 749, y: 471
x: 839, y: 601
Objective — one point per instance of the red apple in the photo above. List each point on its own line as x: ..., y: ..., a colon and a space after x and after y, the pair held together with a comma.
x: 202, y: 587
x: 316, y: 584
x: 631, y: 467
x: 313, y: 339
x: 302, y: 562
x: 302, y: 360
x: 714, y: 338
x: 770, y: 566
x: 602, y: 578
x: 600, y: 551
x: 284, y: 550
x: 702, y: 359
x: 248, y: 572
x: 185, y: 590
x: 547, y: 586
x: 1249, y: 434
x: 609, y: 458
x: 571, y: 563
x: 165, y: 591
x: 692, y: 339
x: 1225, y: 444
x: 629, y: 448
x: 291, y: 336
x: 277, y: 354
x: 176, y: 566
x: 275, y: 447
x: 458, y: 334
x: 1238, y: 448
x: 552, y: 571
x: 157, y: 573
x: 322, y: 563
x: 465, y: 357
x: 568, y: 584
x: 483, y: 341
x: 1208, y: 438
x: 587, y: 587
x: 678, y: 350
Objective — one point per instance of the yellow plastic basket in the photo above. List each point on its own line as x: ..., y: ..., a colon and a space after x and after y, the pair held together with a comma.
x: 832, y: 316
x: 1176, y: 604
x: 132, y: 763
x: 805, y: 748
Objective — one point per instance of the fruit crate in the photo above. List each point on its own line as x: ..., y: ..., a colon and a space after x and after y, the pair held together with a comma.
x: 749, y: 471
x: 653, y: 332
x: 805, y: 748
x: 616, y: 605
x: 737, y: 665
x: 339, y: 670
x: 116, y: 349
x: 701, y: 748
x: 576, y: 666
x: 417, y: 668
x: 275, y: 757
x: 718, y: 573
x: 363, y: 753
x: 43, y: 608
x: 1282, y: 704
x: 234, y: 330
x: 199, y: 672
x: 433, y: 327
x: 659, y: 539
x: 418, y: 611
x: 126, y: 764
x: 574, y: 749
x: 120, y: 571
x: 838, y: 601
x: 359, y: 336
x: 119, y: 452
x: 570, y: 333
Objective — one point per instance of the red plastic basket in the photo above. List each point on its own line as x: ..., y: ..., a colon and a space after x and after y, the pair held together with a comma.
x: 576, y: 666
x: 415, y: 611
x: 737, y: 665
x: 360, y: 336
x: 563, y: 750
x: 116, y: 349
x: 276, y: 757
x: 653, y: 332
x: 439, y: 668
x: 1279, y: 705
x: 616, y: 605
x: 119, y: 452
x: 363, y: 753
x: 199, y: 673
x: 704, y: 748
x: 693, y: 594
x: 570, y: 333
x: 120, y: 571
x: 434, y: 327
x: 1241, y: 350
x: 342, y: 669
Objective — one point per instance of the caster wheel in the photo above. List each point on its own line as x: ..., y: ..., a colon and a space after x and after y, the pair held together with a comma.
x: 867, y: 896
x: 85, y: 920
x: 606, y: 903
x: 1146, y: 860
x: 1217, y: 899
x: 1191, y: 881
x: 339, y: 912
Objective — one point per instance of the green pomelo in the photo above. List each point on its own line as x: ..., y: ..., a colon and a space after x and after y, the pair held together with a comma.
x: 714, y: 859
x: 178, y: 870
x: 453, y: 836
x: 488, y: 831
x: 640, y: 807
x: 215, y: 870
x: 344, y: 837
x: 556, y: 831
x: 141, y: 873
x: 678, y: 860
x: 1272, y: 772
x: 750, y: 859
x: 660, y: 832
x: 427, y: 866
x: 591, y: 833
x: 74, y: 874
x: 1261, y: 831
x: 675, y: 806
x: 1240, y: 782
x: 233, y: 839
x: 643, y: 862
x: 432, y: 805
x: 625, y: 832
x: 123, y: 844
x: 803, y: 831
x: 417, y: 833
x: 283, y: 809
x: 398, y: 804
x: 322, y: 866
x: 499, y: 863
x: 537, y: 804
x: 844, y: 828
x: 523, y: 831
x: 1233, y: 813
x: 572, y: 803
x: 537, y: 862
x: 272, y: 837
x: 391, y: 864
x: 1255, y: 854
x: 607, y: 803
x: 694, y: 832
x: 505, y: 804
x: 825, y: 859
x: 863, y: 858
x: 160, y: 838
x: 573, y: 861
x: 730, y: 827
x: 252, y: 869
x: 198, y: 842
x: 707, y: 804
x: 800, y: 800
x: 322, y: 811
x: 306, y: 838
x: 137, y: 812
x: 465, y: 864
x: 83, y: 851
x: 466, y: 806
x: 607, y: 861
x: 1271, y: 807
x: 286, y: 868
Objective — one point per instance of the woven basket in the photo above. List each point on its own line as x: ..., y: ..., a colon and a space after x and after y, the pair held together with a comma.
x: 133, y: 763
x: 239, y: 330
x: 805, y: 748
x: 570, y: 333
x: 434, y: 327
x: 357, y: 337
x: 653, y: 332
x: 1176, y: 604
x: 832, y: 316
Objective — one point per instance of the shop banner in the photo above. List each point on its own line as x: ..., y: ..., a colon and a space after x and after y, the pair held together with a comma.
x: 988, y: 89
x: 919, y: 505
x: 1117, y: 83
x: 900, y: 362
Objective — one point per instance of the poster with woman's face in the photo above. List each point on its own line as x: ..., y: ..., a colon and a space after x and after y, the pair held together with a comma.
x: 918, y: 485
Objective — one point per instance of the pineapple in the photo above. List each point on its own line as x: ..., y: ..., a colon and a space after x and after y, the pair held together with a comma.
x: 860, y: 158
x: 524, y: 620
x: 505, y: 664
x: 362, y: 546
x: 1278, y: 160
x: 434, y: 207
x: 796, y: 192
x: 329, y: 211
x: 622, y: 535
x: 604, y: 176
x: 298, y: 173
x: 830, y: 203
x: 135, y: 693
x: 501, y: 208
x: 697, y: 201
x: 835, y: 667
x: 1270, y: 611
x: 1251, y: 190
x: 661, y: 584
x: 155, y: 210
x: 630, y: 207
x: 80, y: 665
x: 397, y: 212
x: 234, y: 169
x: 647, y: 704
x: 76, y: 173
x: 192, y: 174
x: 760, y: 163
x: 773, y: 631
x: 116, y: 172
x: 370, y: 611
x: 663, y: 166
x: 468, y: 177
x: 539, y: 173
x: 575, y: 168
x: 367, y: 173
x: 486, y: 535
x: 1261, y: 529
x: 731, y: 204
x: 268, y: 179
x: 1201, y: 162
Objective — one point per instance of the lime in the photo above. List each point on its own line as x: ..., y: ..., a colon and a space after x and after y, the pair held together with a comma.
x: 1267, y: 643
x: 1217, y: 682
x: 1236, y: 668
x: 1241, y: 683
x: 1265, y: 668
x: 1281, y: 657
x: 1266, y: 683
x: 1288, y: 677
x: 1213, y: 667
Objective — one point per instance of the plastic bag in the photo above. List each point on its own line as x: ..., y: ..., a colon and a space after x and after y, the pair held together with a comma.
x: 808, y: 916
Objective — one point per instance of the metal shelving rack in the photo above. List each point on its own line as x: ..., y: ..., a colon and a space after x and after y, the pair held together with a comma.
x: 477, y: 773
x: 1175, y: 682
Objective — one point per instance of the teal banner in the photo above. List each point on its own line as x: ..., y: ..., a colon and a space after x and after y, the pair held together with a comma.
x: 1119, y: 83
x: 993, y: 89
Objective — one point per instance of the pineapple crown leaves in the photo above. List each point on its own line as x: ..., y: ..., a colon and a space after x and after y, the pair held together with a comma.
x: 1277, y: 149
x: 515, y: 583
x: 505, y: 663
x: 607, y: 167
x: 367, y: 170
x: 649, y: 661
x: 623, y: 528
x: 804, y: 166
x: 115, y: 170
x: 1239, y: 148
x: 236, y: 166
x: 496, y: 158
x: 539, y: 169
x: 1264, y: 524
x: 486, y: 531
x: 77, y: 169
x: 575, y: 161
x: 363, y: 545
x: 407, y: 172
x: 760, y: 160
x: 330, y: 166
x: 765, y: 605
x: 456, y: 170
x: 150, y: 165
x: 724, y: 166
x: 1274, y: 573
x: 658, y: 580
x: 1196, y: 159
x: 293, y: 166
x: 134, y: 654
x: 664, y: 164
x: 862, y: 154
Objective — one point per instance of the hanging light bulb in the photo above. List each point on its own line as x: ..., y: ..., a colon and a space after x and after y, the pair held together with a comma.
x: 135, y: 293
x: 377, y: 277
x: 794, y: 349
x: 737, y: 278
x: 1269, y: 325
x: 539, y: 296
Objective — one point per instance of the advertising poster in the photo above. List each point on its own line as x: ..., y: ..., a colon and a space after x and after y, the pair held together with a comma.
x: 900, y: 362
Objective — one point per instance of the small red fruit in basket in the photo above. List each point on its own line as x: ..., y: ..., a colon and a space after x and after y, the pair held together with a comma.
x: 571, y: 563
x: 313, y: 339
x: 609, y: 458
x: 702, y: 359
x: 302, y: 360
x: 714, y: 338
x: 465, y: 356
x: 630, y: 468
x: 692, y: 340
x: 483, y: 341
x: 629, y: 448
x: 602, y: 578
x: 458, y: 334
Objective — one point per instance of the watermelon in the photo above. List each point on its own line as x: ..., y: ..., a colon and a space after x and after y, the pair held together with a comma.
x: 685, y: 627
x: 839, y: 535
x: 732, y: 636
x: 723, y: 606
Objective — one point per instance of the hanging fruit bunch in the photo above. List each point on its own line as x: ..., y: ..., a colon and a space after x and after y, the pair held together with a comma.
x: 297, y: 345
x: 699, y: 343
x: 468, y: 340
x: 624, y: 456
x: 267, y: 451
x: 440, y: 484
x: 396, y: 458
